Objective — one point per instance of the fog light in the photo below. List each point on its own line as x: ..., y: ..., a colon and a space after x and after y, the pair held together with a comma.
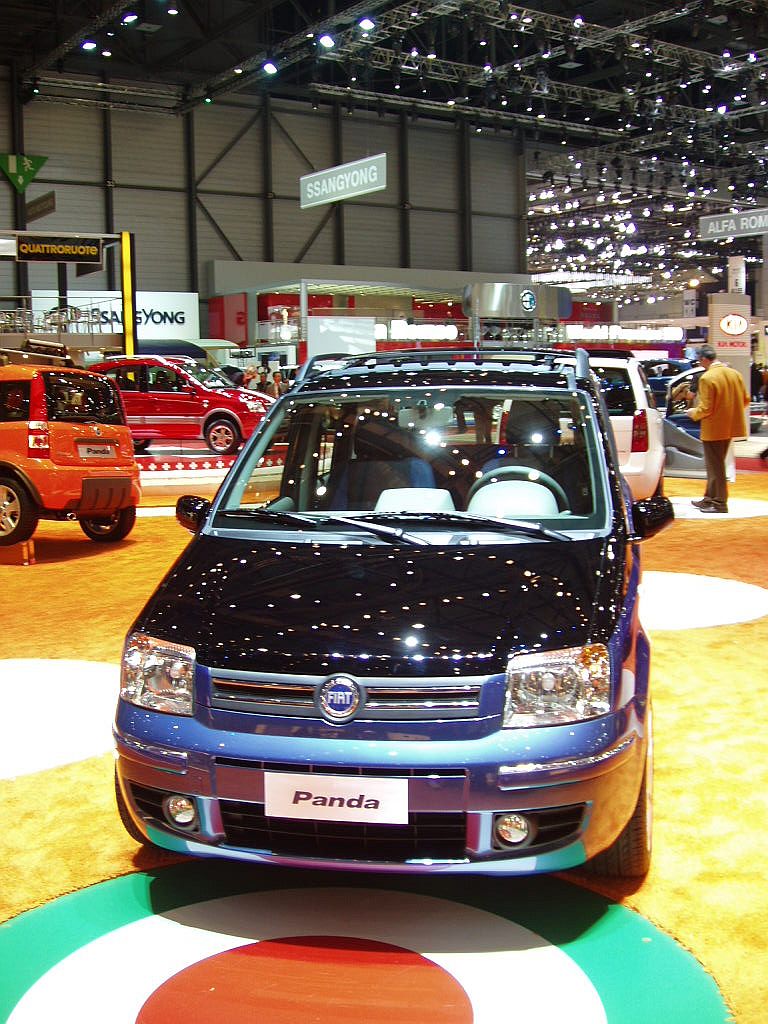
x: 513, y: 829
x: 180, y: 809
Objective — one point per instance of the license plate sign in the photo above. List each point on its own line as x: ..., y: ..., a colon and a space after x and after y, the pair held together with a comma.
x: 336, y: 798
x: 93, y: 450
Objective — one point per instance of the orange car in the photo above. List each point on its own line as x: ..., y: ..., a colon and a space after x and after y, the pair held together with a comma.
x: 65, y: 453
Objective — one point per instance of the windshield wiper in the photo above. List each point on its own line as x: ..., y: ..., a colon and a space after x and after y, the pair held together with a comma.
x: 506, y: 525
x: 391, y: 533
x: 269, y: 514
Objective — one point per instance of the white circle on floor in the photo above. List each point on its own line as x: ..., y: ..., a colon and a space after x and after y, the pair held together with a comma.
x: 678, y: 600
x: 738, y: 508
x: 55, y: 712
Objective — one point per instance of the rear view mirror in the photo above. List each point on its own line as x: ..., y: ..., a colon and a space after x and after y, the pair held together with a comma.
x: 192, y: 511
x: 651, y: 515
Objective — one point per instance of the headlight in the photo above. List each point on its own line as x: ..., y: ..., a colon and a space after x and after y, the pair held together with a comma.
x: 558, y: 686
x: 253, y: 406
x: 158, y: 674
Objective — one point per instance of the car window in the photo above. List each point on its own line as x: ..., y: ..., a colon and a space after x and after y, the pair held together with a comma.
x: 14, y: 401
x: 617, y: 389
x: 161, y: 378
x: 74, y: 398
x: 126, y: 378
x: 427, y: 453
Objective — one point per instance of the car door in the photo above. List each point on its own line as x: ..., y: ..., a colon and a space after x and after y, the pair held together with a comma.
x: 130, y: 379
x: 174, y: 407
x: 685, y: 453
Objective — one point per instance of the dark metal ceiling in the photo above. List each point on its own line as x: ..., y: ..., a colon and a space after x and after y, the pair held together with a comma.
x: 661, y: 109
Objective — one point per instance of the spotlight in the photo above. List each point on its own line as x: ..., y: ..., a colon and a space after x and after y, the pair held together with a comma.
x: 129, y: 18
x: 88, y: 44
x: 327, y: 41
x: 367, y: 24
x: 269, y: 67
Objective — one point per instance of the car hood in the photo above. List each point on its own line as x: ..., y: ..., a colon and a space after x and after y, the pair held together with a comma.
x: 316, y: 608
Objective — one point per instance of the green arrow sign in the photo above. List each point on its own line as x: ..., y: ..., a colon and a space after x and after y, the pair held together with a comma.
x: 20, y: 169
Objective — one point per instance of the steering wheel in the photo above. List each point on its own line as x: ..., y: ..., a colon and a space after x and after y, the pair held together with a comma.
x: 520, y: 473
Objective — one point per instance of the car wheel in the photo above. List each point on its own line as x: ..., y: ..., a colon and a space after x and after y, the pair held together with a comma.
x: 113, y: 528
x: 125, y: 816
x: 18, y: 513
x: 222, y: 436
x: 141, y: 446
x: 629, y: 856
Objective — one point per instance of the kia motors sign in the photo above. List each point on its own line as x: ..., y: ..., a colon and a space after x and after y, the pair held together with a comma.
x: 343, y: 181
x: 734, y: 225
x: 57, y: 249
x: 734, y: 324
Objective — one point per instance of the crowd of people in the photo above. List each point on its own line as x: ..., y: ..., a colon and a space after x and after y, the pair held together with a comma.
x: 258, y: 378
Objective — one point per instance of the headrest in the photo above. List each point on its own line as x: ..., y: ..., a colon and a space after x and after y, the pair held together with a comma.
x: 382, y: 440
x: 533, y: 423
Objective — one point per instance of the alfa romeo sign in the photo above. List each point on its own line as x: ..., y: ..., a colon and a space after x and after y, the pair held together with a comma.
x: 734, y: 225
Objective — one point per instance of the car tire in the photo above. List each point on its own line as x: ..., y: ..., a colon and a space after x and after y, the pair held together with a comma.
x: 629, y: 856
x: 115, y: 527
x: 128, y: 823
x: 141, y: 446
x: 18, y: 512
x: 222, y: 436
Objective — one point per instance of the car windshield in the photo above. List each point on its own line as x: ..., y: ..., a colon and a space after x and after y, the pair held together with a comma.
x: 210, y: 376
x: 439, y: 464
x: 75, y: 398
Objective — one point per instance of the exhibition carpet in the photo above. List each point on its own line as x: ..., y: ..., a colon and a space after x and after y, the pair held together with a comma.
x: 64, y: 619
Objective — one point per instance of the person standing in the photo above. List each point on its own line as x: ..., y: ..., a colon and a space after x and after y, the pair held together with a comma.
x: 720, y: 408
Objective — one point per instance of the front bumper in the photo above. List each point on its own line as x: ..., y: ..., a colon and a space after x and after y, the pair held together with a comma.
x: 577, y: 799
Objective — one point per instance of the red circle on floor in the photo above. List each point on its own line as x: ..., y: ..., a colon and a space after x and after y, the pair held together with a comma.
x: 319, y: 978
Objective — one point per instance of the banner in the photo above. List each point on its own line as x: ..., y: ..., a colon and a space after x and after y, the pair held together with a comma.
x: 58, y: 249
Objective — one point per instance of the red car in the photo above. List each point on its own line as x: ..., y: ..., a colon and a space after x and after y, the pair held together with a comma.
x: 168, y: 400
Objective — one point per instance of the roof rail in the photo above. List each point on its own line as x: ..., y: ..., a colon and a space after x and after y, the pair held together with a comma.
x: 549, y: 358
x: 426, y: 356
x: 582, y: 363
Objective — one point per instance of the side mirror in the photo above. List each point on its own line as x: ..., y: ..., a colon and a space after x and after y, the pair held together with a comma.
x: 192, y: 511
x: 651, y: 515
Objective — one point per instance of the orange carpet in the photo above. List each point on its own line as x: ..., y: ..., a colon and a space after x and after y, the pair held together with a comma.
x: 59, y: 830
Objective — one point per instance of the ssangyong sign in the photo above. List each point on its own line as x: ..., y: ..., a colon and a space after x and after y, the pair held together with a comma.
x: 343, y: 181
x: 159, y: 315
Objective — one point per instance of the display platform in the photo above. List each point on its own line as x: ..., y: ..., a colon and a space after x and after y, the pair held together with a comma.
x: 217, y: 943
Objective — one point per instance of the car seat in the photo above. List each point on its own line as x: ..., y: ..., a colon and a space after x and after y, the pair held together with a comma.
x: 383, y: 459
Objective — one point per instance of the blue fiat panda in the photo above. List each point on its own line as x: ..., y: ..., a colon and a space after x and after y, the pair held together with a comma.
x: 406, y: 634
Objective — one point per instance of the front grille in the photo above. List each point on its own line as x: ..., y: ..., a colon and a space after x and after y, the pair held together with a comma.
x: 426, y: 836
x: 148, y: 801
x: 415, y: 700
x: 319, y: 769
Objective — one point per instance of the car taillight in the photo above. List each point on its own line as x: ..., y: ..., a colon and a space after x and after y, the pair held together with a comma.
x: 640, y: 431
x: 38, y: 437
x: 39, y: 440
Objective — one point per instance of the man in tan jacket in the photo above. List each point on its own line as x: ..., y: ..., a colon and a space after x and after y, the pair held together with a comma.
x: 722, y: 399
